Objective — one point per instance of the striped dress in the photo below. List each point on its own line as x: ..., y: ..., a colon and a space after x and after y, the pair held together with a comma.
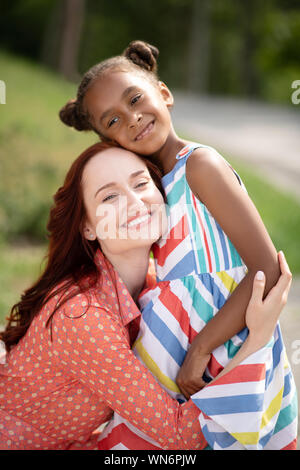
x: 197, y: 268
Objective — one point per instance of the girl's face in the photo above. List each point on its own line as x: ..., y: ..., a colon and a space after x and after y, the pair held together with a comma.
x: 130, y: 110
x: 125, y: 210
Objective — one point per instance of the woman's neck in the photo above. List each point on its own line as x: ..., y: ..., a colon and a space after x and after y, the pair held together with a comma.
x: 132, y: 267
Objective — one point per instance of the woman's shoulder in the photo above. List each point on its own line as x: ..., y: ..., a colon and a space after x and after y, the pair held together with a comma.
x: 69, y: 300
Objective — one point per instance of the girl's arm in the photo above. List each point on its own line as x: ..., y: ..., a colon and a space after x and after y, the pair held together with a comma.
x: 262, y: 315
x: 214, y: 183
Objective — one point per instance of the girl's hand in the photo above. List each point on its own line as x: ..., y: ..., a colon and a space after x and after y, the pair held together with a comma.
x: 262, y: 315
x: 190, y: 375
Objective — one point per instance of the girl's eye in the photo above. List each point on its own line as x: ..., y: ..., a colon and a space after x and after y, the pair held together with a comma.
x: 135, y: 99
x: 112, y: 121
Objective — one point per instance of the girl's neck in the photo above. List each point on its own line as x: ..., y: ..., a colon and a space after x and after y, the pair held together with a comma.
x: 132, y: 267
x: 166, y: 156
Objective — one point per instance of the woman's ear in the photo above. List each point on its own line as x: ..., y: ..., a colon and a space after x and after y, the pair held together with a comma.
x: 87, y: 231
x: 166, y: 94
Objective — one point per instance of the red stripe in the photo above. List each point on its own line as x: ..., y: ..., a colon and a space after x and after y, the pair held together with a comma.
x: 214, y: 366
x: 291, y: 446
x: 243, y: 373
x: 121, y: 434
x: 184, y: 152
x: 175, y: 307
x: 175, y: 237
x: 204, y: 234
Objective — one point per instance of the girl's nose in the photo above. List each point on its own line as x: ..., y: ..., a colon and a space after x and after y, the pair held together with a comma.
x: 135, y: 119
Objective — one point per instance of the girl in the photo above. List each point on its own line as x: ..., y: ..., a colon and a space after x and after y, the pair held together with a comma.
x: 69, y: 362
x: 216, y: 240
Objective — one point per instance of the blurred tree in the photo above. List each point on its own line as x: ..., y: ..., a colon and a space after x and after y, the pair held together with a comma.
x: 199, y: 46
x: 244, y: 48
x: 73, y: 17
x: 62, y: 37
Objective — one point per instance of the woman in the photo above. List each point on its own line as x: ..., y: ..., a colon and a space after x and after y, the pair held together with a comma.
x: 69, y: 363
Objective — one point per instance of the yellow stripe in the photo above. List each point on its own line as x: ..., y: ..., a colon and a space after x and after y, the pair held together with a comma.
x: 153, y: 367
x: 286, y: 361
x: 272, y: 409
x: 227, y: 280
x: 247, y: 438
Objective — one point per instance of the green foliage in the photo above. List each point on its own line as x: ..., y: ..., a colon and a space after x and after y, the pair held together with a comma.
x: 253, y: 45
x: 36, y: 149
x: 280, y: 213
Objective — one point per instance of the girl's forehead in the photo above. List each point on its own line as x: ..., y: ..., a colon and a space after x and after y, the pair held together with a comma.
x: 112, y: 86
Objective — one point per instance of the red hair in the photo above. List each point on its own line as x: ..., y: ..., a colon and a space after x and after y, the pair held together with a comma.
x: 70, y: 257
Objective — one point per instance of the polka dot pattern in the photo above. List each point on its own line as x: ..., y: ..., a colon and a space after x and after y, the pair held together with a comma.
x: 55, y: 395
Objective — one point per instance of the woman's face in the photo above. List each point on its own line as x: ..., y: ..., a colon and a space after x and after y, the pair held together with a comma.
x: 124, y: 208
x: 130, y: 110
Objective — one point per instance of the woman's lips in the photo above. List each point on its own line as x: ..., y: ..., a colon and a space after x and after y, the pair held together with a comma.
x: 145, y: 131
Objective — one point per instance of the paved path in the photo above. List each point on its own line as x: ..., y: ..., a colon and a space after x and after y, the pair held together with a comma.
x: 267, y: 136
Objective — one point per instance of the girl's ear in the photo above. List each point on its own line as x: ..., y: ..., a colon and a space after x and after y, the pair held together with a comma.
x: 166, y: 94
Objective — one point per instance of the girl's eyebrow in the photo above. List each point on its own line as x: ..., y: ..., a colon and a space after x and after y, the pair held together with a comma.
x: 113, y: 183
x: 125, y: 93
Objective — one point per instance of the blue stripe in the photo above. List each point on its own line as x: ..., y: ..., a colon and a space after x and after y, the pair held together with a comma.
x: 202, y: 308
x: 185, y: 265
x: 276, y: 354
x: 168, y: 178
x: 287, y: 384
x: 223, y: 439
x: 213, y: 289
x: 176, y: 192
x: 163, y: 334
x: 229, y: 405
x: 223, y: 244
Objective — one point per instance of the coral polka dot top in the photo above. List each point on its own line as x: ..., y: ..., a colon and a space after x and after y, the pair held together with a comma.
x: 54, y: 394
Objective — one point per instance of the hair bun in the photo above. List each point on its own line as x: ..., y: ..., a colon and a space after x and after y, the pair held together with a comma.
x: 143, y: 54
x: 70, y: 116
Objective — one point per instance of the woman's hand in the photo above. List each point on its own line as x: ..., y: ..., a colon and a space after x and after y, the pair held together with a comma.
x: 262, y: 315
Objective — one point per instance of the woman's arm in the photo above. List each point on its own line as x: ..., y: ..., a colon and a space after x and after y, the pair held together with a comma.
x: 101, y: 358
x: 215, y: 184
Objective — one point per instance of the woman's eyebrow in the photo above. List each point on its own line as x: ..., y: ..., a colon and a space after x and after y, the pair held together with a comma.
x: 113, y: 183
x: 125, y: 93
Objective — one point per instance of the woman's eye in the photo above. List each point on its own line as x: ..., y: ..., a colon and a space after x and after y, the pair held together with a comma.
x: 135, y: 99
x: 142, y: 183
x: 108, y: 198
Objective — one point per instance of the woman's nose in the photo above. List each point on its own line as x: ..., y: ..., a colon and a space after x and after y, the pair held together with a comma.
x: 135, y: 205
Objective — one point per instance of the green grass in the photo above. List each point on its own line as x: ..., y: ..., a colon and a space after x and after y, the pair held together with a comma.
x: 280, y: 213
x: 36, y: 149
x: 20, y: 265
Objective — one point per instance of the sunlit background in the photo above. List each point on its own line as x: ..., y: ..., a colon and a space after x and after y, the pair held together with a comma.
x: 231, y: 65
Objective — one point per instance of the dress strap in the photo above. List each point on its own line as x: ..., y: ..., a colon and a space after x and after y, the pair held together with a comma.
x: 188, y: 149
